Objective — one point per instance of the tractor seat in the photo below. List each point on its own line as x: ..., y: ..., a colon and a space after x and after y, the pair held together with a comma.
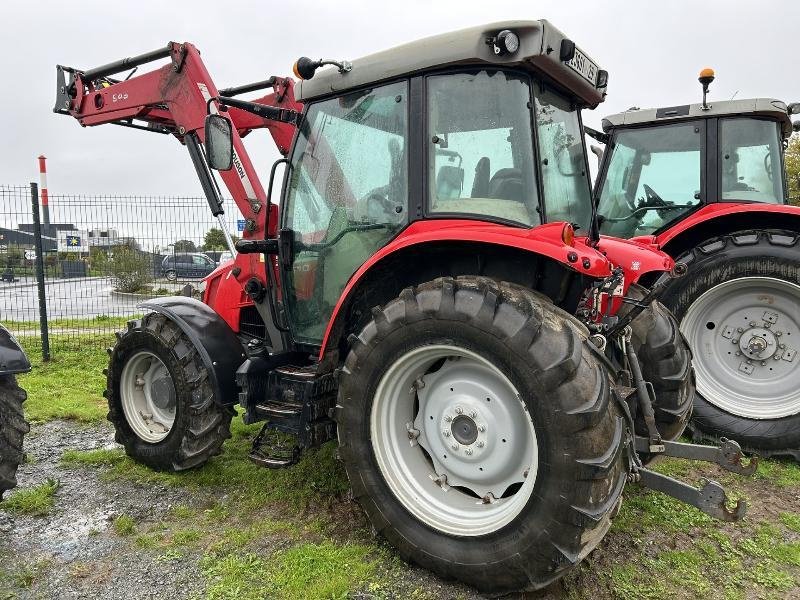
x: 506, y: 184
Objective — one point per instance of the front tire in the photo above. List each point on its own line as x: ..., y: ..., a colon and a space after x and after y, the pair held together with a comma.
x: 13, y: 428
x: 512, y: 381
x: 738, y: 307
x: 160, y: 398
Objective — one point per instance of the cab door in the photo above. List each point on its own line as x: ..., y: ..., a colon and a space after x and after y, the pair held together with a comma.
x: 346, y: 198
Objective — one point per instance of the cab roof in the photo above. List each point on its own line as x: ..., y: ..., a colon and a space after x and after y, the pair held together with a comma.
x: 539, y: 51
x: 751, y: 107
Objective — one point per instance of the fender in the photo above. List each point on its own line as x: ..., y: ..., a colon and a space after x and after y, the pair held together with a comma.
x: 634, y: 257
x: 219, y: 347
x: 711, y: 212
x: 12, y: 358
x: 544, y: 240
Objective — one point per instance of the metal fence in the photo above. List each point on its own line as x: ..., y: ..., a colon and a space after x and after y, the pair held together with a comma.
x: 81, y: 264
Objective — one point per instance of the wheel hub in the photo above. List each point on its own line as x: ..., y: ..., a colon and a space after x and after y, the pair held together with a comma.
x: 743, y: 333
x: 148, y: 397
x: 465, y: 430
x: 453, y: 439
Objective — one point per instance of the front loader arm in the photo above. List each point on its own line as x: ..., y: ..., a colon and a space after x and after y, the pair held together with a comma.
x: 175, y: 98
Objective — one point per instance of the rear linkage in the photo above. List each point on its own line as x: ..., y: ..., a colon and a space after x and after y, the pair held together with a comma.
x: 711, y: 498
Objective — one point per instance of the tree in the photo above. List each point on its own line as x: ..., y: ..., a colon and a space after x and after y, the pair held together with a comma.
x: 214, y: 240
x: 793, y: 169
x: 185, y: 246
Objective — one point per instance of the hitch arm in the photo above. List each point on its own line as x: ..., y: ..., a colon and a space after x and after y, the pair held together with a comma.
x: 727, y: 455
x: 710, y: 499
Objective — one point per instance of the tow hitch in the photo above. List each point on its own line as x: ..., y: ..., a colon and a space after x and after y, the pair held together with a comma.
x: 711, y: 497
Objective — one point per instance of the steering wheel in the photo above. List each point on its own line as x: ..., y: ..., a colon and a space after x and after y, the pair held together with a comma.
x: 652, y: 198
x: 768, y: 165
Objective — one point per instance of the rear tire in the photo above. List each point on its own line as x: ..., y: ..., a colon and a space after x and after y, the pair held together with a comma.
x: 666, y: 362
x: 196, y: 424
x: 516, y: 338
x: 734, y: 285
x: 13, y: 428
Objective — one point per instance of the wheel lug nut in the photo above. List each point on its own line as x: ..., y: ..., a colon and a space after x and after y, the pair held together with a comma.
x: 481, y: 428
x: 734, y: 341
x: 446, y: 433
x: 448, y: 418
x: 778, y: 333
x: 738, y: 353
x: 454, y: 446
x: 481, y: 444
x: 781, y: 346
x: 468, y: 451
x: 740, y: 329
x: 473, y: 414
x: 459, y: 410
x: 752, y: 323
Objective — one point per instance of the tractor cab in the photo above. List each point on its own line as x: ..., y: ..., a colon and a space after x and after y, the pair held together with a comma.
x: 662, y: 164
x: 480, y: 125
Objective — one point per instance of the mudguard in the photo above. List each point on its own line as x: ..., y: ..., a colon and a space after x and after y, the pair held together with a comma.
x: 12, y: 358
x: 219, y: 347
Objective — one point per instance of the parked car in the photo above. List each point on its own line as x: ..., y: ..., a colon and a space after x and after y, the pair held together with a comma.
x: 225, y: 257
x: 188, y: 265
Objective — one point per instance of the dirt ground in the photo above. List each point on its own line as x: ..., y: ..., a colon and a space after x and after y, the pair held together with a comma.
x: 655, y: 550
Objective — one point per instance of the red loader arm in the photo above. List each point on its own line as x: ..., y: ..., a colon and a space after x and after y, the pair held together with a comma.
x: 176, y: 99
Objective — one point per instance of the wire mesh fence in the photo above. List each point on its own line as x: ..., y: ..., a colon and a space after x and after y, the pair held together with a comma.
x: 100, y: 257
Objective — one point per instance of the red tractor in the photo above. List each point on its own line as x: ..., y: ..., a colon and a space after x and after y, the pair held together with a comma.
x: 494, y: 380
x: 705, y: 183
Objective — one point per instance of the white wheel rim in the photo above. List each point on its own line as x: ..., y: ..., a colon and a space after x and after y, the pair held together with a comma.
x: 469, y: 403
x: 745, y: 334
x: 148, y: 397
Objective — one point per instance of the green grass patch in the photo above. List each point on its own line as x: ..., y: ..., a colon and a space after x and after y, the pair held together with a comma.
x: 124, y: 525
x: 779, y: 472
x: 92, y: 323
x: 71, y: 384
x: 318, y: 476
x: 36, y: 501
x: 236, y: 577
x: 792, y: 521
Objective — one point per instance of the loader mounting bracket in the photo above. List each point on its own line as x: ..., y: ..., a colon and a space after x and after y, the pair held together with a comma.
x: 711, y: 498
x: 727, y: 455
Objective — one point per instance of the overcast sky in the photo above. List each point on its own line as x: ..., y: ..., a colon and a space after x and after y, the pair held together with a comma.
x: 652, y: 50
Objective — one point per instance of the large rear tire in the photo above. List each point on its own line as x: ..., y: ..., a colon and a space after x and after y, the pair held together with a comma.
x: 666, y: 362
x: 739, y: 307
x: 13, y: 428
x: 490, y: 385
x: 160, y: 398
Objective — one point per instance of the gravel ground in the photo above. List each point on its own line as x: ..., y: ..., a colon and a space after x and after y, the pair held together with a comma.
x: 71, y: 551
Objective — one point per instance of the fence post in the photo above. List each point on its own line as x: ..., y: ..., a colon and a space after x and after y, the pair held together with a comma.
x: 37, y: 237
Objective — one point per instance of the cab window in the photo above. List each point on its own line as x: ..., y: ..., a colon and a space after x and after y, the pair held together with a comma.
x: 480, y: 157
x: 346, y: 197
x: 750, y: 161
x: 653, y: 176
x: 562, y: 159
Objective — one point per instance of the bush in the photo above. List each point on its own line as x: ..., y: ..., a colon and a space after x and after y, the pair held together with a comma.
x: 130, y: 269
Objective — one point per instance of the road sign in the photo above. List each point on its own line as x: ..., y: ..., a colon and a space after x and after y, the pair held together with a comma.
x: 73, y: 241
x: 30, y: 254
x: 240, y: 223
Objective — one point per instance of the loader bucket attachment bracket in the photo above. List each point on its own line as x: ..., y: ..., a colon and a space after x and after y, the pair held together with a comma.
x: 64, y: 90
x: 710, y: 499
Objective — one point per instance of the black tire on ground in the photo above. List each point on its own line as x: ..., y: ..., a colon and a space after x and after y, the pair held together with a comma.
x: 13, y: 428
x: 201, y: 424
x: 765, y: 253
x: 666, y: 362
x: 544, y: 352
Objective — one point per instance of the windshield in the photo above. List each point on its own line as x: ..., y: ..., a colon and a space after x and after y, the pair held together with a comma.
x: 653, y: 176
x: 750, y: 161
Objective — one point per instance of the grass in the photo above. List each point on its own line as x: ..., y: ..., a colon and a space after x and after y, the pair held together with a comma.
x: 124, y: 525
x: 71, y: 384
x: 317, y: 478
x: 36, y: 501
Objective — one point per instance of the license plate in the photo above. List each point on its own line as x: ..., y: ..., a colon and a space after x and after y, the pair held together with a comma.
x: 583, y: 66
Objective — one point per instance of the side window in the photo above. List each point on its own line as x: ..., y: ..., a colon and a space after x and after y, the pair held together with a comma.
x: 567, y: 191
x: 346, y: 197
x: 480, y: 146
x: 750, y: 161
x: 199, y: 260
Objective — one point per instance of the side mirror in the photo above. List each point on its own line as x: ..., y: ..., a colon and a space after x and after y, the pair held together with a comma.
x: 794, y: 108
x: 598, y: 152
x: 219, y: 142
